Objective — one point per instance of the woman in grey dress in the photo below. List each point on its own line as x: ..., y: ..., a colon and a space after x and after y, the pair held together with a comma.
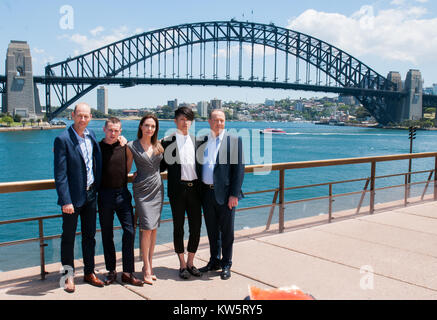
x: 148, y: 189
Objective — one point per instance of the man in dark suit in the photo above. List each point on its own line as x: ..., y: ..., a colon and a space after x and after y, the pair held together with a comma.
x: 222, y: 174
x: 77, y: 170
x: 183, y: 189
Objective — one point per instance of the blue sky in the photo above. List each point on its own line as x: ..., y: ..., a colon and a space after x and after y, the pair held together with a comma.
x: 393, y: 35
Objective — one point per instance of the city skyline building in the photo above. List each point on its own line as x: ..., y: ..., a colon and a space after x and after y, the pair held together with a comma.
x: 216, y: 103
x: 173, y: 104
x: 202, y: 108
x: 102, y: 99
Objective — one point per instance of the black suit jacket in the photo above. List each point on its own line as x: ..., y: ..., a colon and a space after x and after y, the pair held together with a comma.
x: 228, y: 169
x: 172, y: 163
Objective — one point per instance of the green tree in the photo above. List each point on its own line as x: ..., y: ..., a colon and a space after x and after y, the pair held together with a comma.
x: 362, y: 113
x: 17, y: 118
x: 8, y: 120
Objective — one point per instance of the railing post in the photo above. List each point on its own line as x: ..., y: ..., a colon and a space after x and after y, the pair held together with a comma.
x: 372, y: 187
x: 407, y: 186
x: 363, y: 195
x: 281, y: 200
x: 426, y: 186
x: 435, y: 179
x: 330, y: 203
x: 41, y: 249
x: 272, y: 209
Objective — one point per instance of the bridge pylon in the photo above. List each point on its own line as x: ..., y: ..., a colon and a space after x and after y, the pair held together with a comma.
x: 21, y: 94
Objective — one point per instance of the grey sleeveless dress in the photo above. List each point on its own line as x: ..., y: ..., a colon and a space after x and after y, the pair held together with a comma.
x: 148, y: 188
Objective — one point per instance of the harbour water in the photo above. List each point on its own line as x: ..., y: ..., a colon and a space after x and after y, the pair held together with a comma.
x: 29, y: 156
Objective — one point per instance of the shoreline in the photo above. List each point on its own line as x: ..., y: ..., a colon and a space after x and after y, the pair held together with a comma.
x: 11, y: 129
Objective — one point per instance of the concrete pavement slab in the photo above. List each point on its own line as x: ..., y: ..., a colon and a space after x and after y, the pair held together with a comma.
x: 387, y: 261
x: 400, y: 238
x: 170, y: 286
x: 425, y: 210
x: 404, y: 220
x: 323, y: 279
x: 33, y: 288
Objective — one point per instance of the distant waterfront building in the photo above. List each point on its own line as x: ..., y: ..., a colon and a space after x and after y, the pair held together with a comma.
x: 102, y: 100
x: 349, y: 100
x: 429, y: 90
x: 130, y: 112
x: 299, y: 106
x: 434, y: 88
x: 269, y: 103
x: 173, y: 104
x: 202, y: 108
x: 216, y: 104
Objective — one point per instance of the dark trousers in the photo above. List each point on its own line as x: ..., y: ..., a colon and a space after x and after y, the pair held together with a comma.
x: 188, y: 200
x: 87, y: 215
x: 219, y: 220
x: 120, y: 202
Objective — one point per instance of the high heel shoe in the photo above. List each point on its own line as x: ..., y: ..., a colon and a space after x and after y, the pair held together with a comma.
x: 147, y: 279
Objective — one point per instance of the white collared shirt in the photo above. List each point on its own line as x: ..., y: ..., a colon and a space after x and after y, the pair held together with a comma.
x: 210, y: 157
x: 187, y: 157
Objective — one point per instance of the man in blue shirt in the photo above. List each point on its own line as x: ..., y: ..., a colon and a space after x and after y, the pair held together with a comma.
x: 77, y: 170
x: 222, y: 174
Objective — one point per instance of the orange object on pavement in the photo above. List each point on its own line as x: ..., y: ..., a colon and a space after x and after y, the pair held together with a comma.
x: 289, y: 293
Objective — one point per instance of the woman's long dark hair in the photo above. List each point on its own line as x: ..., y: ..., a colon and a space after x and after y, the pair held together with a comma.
x: 154, y: 140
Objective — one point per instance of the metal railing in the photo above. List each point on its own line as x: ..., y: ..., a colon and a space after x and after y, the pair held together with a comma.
x: 278, y: 196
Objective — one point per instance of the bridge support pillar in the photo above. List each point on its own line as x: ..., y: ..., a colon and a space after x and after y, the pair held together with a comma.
x: 21, y: 94
x: 412, y: 106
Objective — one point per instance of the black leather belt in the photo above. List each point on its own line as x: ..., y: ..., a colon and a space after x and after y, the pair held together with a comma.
x: 188, y: 183
x: 208, y: 186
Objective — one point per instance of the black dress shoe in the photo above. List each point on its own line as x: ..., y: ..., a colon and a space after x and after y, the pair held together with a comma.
x: 226, y: 273
x: 184, y: 274
x: 110, y: 278
x: 210, y: 267
x: 194, y: 271
x: 131, y: 279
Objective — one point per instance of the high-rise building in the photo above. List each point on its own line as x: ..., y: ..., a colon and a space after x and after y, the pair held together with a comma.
x: 173, y: 104
x: 216, y: 104
x: 202, y: 108
x: 102, y: 99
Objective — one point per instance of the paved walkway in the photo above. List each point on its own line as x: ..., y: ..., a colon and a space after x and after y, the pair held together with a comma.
x: 391, y: 254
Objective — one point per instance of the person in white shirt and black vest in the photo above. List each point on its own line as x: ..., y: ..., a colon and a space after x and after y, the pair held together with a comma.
x: 184, y: 188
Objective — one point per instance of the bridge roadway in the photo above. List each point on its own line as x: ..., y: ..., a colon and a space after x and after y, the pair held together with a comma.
x: 399, y: 243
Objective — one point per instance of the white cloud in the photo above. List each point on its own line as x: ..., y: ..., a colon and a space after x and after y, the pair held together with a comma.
x: 97, y: 30
x: 97, y: 40
x: 398, y: 2
x: 399, y: 34
x: 38, y: 51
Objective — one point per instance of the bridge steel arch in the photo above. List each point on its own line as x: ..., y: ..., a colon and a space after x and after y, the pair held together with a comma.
x: 74, y: 77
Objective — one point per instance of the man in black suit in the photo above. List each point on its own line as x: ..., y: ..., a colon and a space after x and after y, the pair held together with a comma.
x: 183, y: 189
x: 222, y: 174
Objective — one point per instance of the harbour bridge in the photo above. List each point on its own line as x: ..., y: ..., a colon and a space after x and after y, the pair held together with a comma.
x: 224, y: 53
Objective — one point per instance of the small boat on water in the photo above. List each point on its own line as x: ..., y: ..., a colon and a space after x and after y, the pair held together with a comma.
x: 272, y: 130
